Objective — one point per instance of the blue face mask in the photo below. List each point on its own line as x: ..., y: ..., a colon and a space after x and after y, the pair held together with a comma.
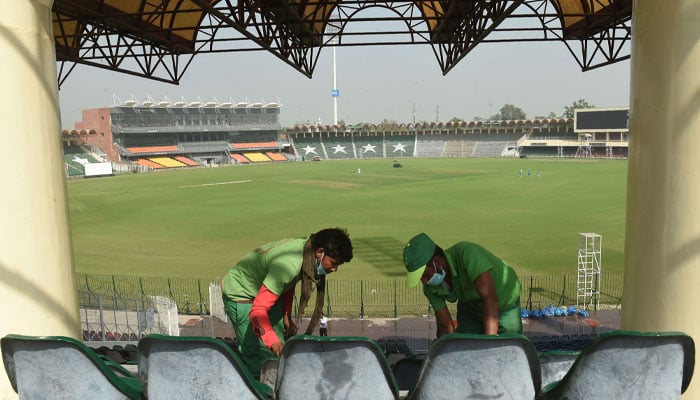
x: 437, y: 278
x: 319, y: 268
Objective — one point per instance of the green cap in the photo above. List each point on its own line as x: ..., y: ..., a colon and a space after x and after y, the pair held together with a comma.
x: 417, y: 252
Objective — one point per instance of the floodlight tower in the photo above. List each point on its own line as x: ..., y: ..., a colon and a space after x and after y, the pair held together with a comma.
x: 333, y: 31
x: 590, y: 252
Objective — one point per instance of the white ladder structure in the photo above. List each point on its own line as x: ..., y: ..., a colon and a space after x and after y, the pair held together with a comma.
x: 590, y: 251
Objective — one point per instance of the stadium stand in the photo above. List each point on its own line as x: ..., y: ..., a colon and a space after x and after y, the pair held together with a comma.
x: 430, y: 147
x: 257, y: 157
x: 276, y: 156
x: 205, y: 147
x: 254, y: 146
x: 187, y: 161
x: 459, y: 146
x: 148, y: 163
x: 339, y: 148
x: 369, y: 147
x: 240, y: 158
x: 503, y: 366
x: 316, y: 368
x: 489, y: 148
x: 400, y: 146
x: 64, y: 368
x: 167, y: 162
x: 307, y: 147
x: 629, y: 365
x: 186, y: 367
x: 153, y: 149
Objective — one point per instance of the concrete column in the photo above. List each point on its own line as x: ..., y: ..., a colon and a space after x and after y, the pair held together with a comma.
x: 37, y: 282
x: 662, y: 247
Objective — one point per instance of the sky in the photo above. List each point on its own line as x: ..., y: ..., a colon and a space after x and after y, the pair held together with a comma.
x: 375, y: 83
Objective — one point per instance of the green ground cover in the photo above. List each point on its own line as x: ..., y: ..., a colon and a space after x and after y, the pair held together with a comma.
x: 198, y: 222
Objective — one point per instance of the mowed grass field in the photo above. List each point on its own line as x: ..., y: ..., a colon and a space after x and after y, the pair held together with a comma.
x: 198, y: 222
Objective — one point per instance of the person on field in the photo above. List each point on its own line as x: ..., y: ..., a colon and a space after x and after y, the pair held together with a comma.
x: 258, y: 291
x: 323, y: 326
x: 486, y: 288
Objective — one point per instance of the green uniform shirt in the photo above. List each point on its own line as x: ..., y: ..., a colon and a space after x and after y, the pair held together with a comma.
x: 277, y: 265
x: 467, y: 261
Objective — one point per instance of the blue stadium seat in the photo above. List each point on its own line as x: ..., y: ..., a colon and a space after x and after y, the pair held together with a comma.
x: 319, y: 368
x: 465, y: 366
x: 59, y: 367
x: 629, y: 365
x: 194, y: 367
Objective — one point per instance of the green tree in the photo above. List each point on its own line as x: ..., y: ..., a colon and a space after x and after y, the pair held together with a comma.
x: 510, y: 112
x: 580, y: 103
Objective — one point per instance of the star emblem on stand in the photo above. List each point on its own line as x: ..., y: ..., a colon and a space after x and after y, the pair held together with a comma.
x: 338, y: 149
x: 399, y: 147
x: 308, y: 149
x: 368, y: 147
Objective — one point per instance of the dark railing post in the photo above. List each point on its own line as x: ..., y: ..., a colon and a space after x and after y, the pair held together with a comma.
x: 329, y: 308
x: 362, y: 300
x: 201, y: 299
x: 396, y: 310
x: 102, y: 320
x: 562, y: 299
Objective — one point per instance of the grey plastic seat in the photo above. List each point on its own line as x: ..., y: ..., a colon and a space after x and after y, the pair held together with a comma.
x: 318, y: 368
x: 629, y: 365
x: 194, y: 367
x: 554, y: 364
x: 60, y: 367
x: 465, y: 366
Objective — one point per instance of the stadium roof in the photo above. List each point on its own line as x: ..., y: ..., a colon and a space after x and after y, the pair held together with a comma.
x: 158, y: 39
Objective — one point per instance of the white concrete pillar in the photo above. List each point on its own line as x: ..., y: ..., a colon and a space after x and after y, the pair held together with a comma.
x: 37, y: 282
x: 662, y: 243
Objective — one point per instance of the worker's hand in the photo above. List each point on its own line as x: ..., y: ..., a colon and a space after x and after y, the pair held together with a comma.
x: 290, y: 328
x: 277, y: 349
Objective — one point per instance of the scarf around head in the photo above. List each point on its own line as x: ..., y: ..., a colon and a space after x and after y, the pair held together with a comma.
x: 308, y: 279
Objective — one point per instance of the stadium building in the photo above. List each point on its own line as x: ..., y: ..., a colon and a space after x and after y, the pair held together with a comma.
x: 601, y: 133
x: 156, y: 135
x: 153, y: 135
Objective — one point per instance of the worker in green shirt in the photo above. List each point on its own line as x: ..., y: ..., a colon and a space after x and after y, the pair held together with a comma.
x: 486, y: 288
x: 258, y: 292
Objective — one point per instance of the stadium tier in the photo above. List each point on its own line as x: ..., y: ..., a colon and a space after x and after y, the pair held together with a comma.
x: 240, y: 158
x: 180, y: 134
x: 256, y: 157
x: 167, y: 162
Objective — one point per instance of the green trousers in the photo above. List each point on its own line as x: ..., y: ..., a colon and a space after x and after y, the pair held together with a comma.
x: 253, y: 351
x: 472, y: 321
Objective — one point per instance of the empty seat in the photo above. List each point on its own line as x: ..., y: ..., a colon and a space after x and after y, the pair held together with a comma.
x: 59, y: 367
x: 194, y: 367
x: 555, y: 364
x: 629, y: 365
x: 406, y: 372
x: 316, y: 368
x: 466, y: 366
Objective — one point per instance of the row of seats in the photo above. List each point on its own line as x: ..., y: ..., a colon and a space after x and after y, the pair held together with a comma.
x: 126, y: 354
x: 615, y: 365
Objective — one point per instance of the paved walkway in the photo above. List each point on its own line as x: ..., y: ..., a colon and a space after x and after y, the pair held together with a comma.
x: 419, y: 331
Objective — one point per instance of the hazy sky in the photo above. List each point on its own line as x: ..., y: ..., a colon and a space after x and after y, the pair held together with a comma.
x: 375, y: 83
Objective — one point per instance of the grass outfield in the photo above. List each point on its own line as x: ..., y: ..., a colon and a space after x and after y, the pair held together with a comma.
x: 198, y: 222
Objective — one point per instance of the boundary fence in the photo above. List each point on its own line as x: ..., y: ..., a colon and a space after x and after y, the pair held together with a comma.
x: 346, y: 298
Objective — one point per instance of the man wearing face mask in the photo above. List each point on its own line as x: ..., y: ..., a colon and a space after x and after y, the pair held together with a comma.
x: 259, y: 291
x: 486, y: 288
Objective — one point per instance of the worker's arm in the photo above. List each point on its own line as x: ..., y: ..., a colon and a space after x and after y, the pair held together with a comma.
x: 260, y: 319
x: 487, y: 291
x: 443, y: 319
